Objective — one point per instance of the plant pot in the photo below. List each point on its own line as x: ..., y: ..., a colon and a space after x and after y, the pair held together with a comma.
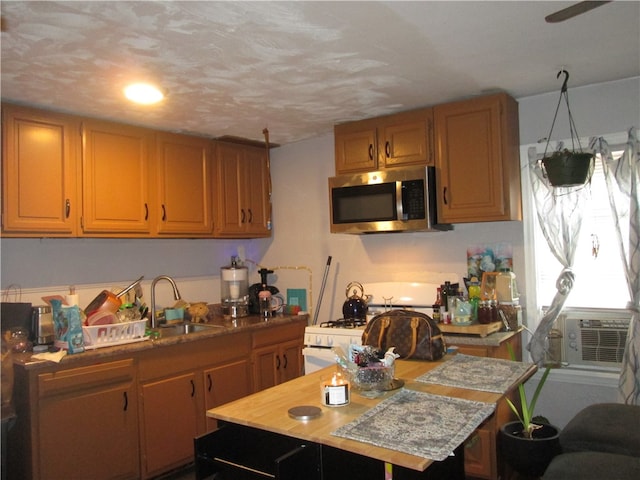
x: 529, y: 456
x: 568, y: 169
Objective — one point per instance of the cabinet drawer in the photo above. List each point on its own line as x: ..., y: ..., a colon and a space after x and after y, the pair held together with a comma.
x: 271, y: 336
x: 83, y: 378
x: 235, y: 452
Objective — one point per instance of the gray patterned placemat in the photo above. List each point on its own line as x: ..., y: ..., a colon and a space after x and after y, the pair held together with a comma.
x: 421, y: 424
x: 476, y: 373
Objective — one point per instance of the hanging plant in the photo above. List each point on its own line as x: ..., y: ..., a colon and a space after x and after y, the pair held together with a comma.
x: 565, y: 167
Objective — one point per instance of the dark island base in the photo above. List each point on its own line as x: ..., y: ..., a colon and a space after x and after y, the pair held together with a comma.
x: 235, y: 452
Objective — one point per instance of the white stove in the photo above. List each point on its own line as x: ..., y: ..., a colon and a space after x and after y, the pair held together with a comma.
x: 381, y: 297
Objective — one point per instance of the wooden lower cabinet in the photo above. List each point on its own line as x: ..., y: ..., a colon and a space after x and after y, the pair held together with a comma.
x: 481, y: 459
x: 84, y: 424
x: 225, y: 383
x: 136, y: 416
x: 170, y: 417
x: 277, y: 355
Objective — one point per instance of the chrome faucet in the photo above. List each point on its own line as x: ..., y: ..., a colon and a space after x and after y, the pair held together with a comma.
x: 176, y: 295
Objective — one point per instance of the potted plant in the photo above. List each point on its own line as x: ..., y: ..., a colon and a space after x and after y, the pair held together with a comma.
x: 529, y: 444
x: 564, y: 167
x: 567, y: 168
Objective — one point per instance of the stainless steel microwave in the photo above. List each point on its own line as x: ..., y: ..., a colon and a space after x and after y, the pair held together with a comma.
x: 394, y: 200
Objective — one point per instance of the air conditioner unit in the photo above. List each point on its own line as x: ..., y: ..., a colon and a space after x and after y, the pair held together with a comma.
x: 593, y: 337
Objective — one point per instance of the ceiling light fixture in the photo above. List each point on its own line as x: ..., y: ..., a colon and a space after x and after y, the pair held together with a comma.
x: 143, y: 93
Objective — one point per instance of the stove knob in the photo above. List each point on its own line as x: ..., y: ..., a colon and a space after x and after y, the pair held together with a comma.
x: 329, y: 341
x: 318, y: 340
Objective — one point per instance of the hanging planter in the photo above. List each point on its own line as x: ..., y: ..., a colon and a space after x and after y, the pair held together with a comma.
x: 564, y: 167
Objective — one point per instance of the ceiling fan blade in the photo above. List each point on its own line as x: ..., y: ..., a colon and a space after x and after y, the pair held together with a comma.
x: 572, y: 11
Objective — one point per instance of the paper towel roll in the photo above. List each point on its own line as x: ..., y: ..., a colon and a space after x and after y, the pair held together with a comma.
x: 72, y: 300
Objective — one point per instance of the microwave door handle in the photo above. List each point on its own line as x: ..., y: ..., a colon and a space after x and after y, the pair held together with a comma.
x: 399, y: 206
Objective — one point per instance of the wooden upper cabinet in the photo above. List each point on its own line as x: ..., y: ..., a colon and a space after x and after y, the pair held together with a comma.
x: 477, y: 160
x: 385, y: 142
x: 39, y: 173
x: 356, y: 146
x: 407, y: 139
x: 183, y: 185
x: 115, y: 178
x: 242, y: 187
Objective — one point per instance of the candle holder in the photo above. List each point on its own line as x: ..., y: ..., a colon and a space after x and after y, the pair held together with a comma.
x: 335, y: 391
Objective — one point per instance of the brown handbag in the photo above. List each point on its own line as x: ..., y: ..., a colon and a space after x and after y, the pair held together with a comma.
x: 413, y: 334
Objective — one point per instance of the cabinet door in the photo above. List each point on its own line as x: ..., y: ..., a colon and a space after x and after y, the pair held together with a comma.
x: 356, y: 147
x: 224, y: 384
x: 171, y: 421
x: 242, y: 186
x: 39, y: 154
x: 276, y: 364
x: 477, y: 160
x: 115, y: 161
x: 407, y: 139
x: 183, y: 185
x: 256, y: 192
x: 479, y: 452
x: 228, y: 159
x: 291, y: 361
x: 266, y: 364
x: 88, y: 423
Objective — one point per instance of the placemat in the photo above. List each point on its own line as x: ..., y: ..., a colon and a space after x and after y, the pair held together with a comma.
x: 476, y: 373
x: 421, y: 424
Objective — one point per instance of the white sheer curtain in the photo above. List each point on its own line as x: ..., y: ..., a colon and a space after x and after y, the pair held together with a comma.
x: 623, y: 184
x: 560, y: 217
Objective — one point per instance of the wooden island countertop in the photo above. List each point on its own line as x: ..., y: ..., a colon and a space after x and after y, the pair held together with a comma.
x: 268, y: 410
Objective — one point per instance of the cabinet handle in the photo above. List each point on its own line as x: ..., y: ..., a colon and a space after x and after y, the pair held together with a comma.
x: 164, y: 213
x: 126, y: 402
x: 242, y: 216
x: 250, y: 216
x: 193, y: 388
x: 286, y: 361
x: 444, y: 194
x: 387, y: 149
x: 277, y: 362
x: 146, y: 212
x: 67, y: 208
x: 210, y: 382
x: 370, y: 151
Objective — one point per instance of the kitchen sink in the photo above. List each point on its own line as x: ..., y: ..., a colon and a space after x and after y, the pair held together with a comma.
x: 185, y: 328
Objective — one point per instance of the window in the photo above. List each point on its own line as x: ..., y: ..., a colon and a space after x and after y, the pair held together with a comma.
x: 600, y: 281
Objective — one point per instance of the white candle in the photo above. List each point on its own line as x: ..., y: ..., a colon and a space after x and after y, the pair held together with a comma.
x: 335, y: 392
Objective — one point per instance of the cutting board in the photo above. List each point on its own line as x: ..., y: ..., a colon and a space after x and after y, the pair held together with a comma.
x: 475, y: 329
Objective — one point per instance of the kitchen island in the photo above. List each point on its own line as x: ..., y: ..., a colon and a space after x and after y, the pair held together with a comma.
x: 268, y: 411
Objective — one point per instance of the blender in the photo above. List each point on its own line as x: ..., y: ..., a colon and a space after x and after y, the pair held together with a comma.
x: 234, y: 286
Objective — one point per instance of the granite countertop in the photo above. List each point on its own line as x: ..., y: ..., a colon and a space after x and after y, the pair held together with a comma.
x: 224, y: 327
x: 492, y: 340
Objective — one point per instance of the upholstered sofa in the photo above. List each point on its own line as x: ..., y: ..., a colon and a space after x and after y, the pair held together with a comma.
x: 601, y: 442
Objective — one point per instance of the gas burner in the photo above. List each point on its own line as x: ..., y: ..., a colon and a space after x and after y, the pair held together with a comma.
x: 344, y: 323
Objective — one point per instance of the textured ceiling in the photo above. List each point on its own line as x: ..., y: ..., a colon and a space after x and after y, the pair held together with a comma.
x: 297, y: 68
